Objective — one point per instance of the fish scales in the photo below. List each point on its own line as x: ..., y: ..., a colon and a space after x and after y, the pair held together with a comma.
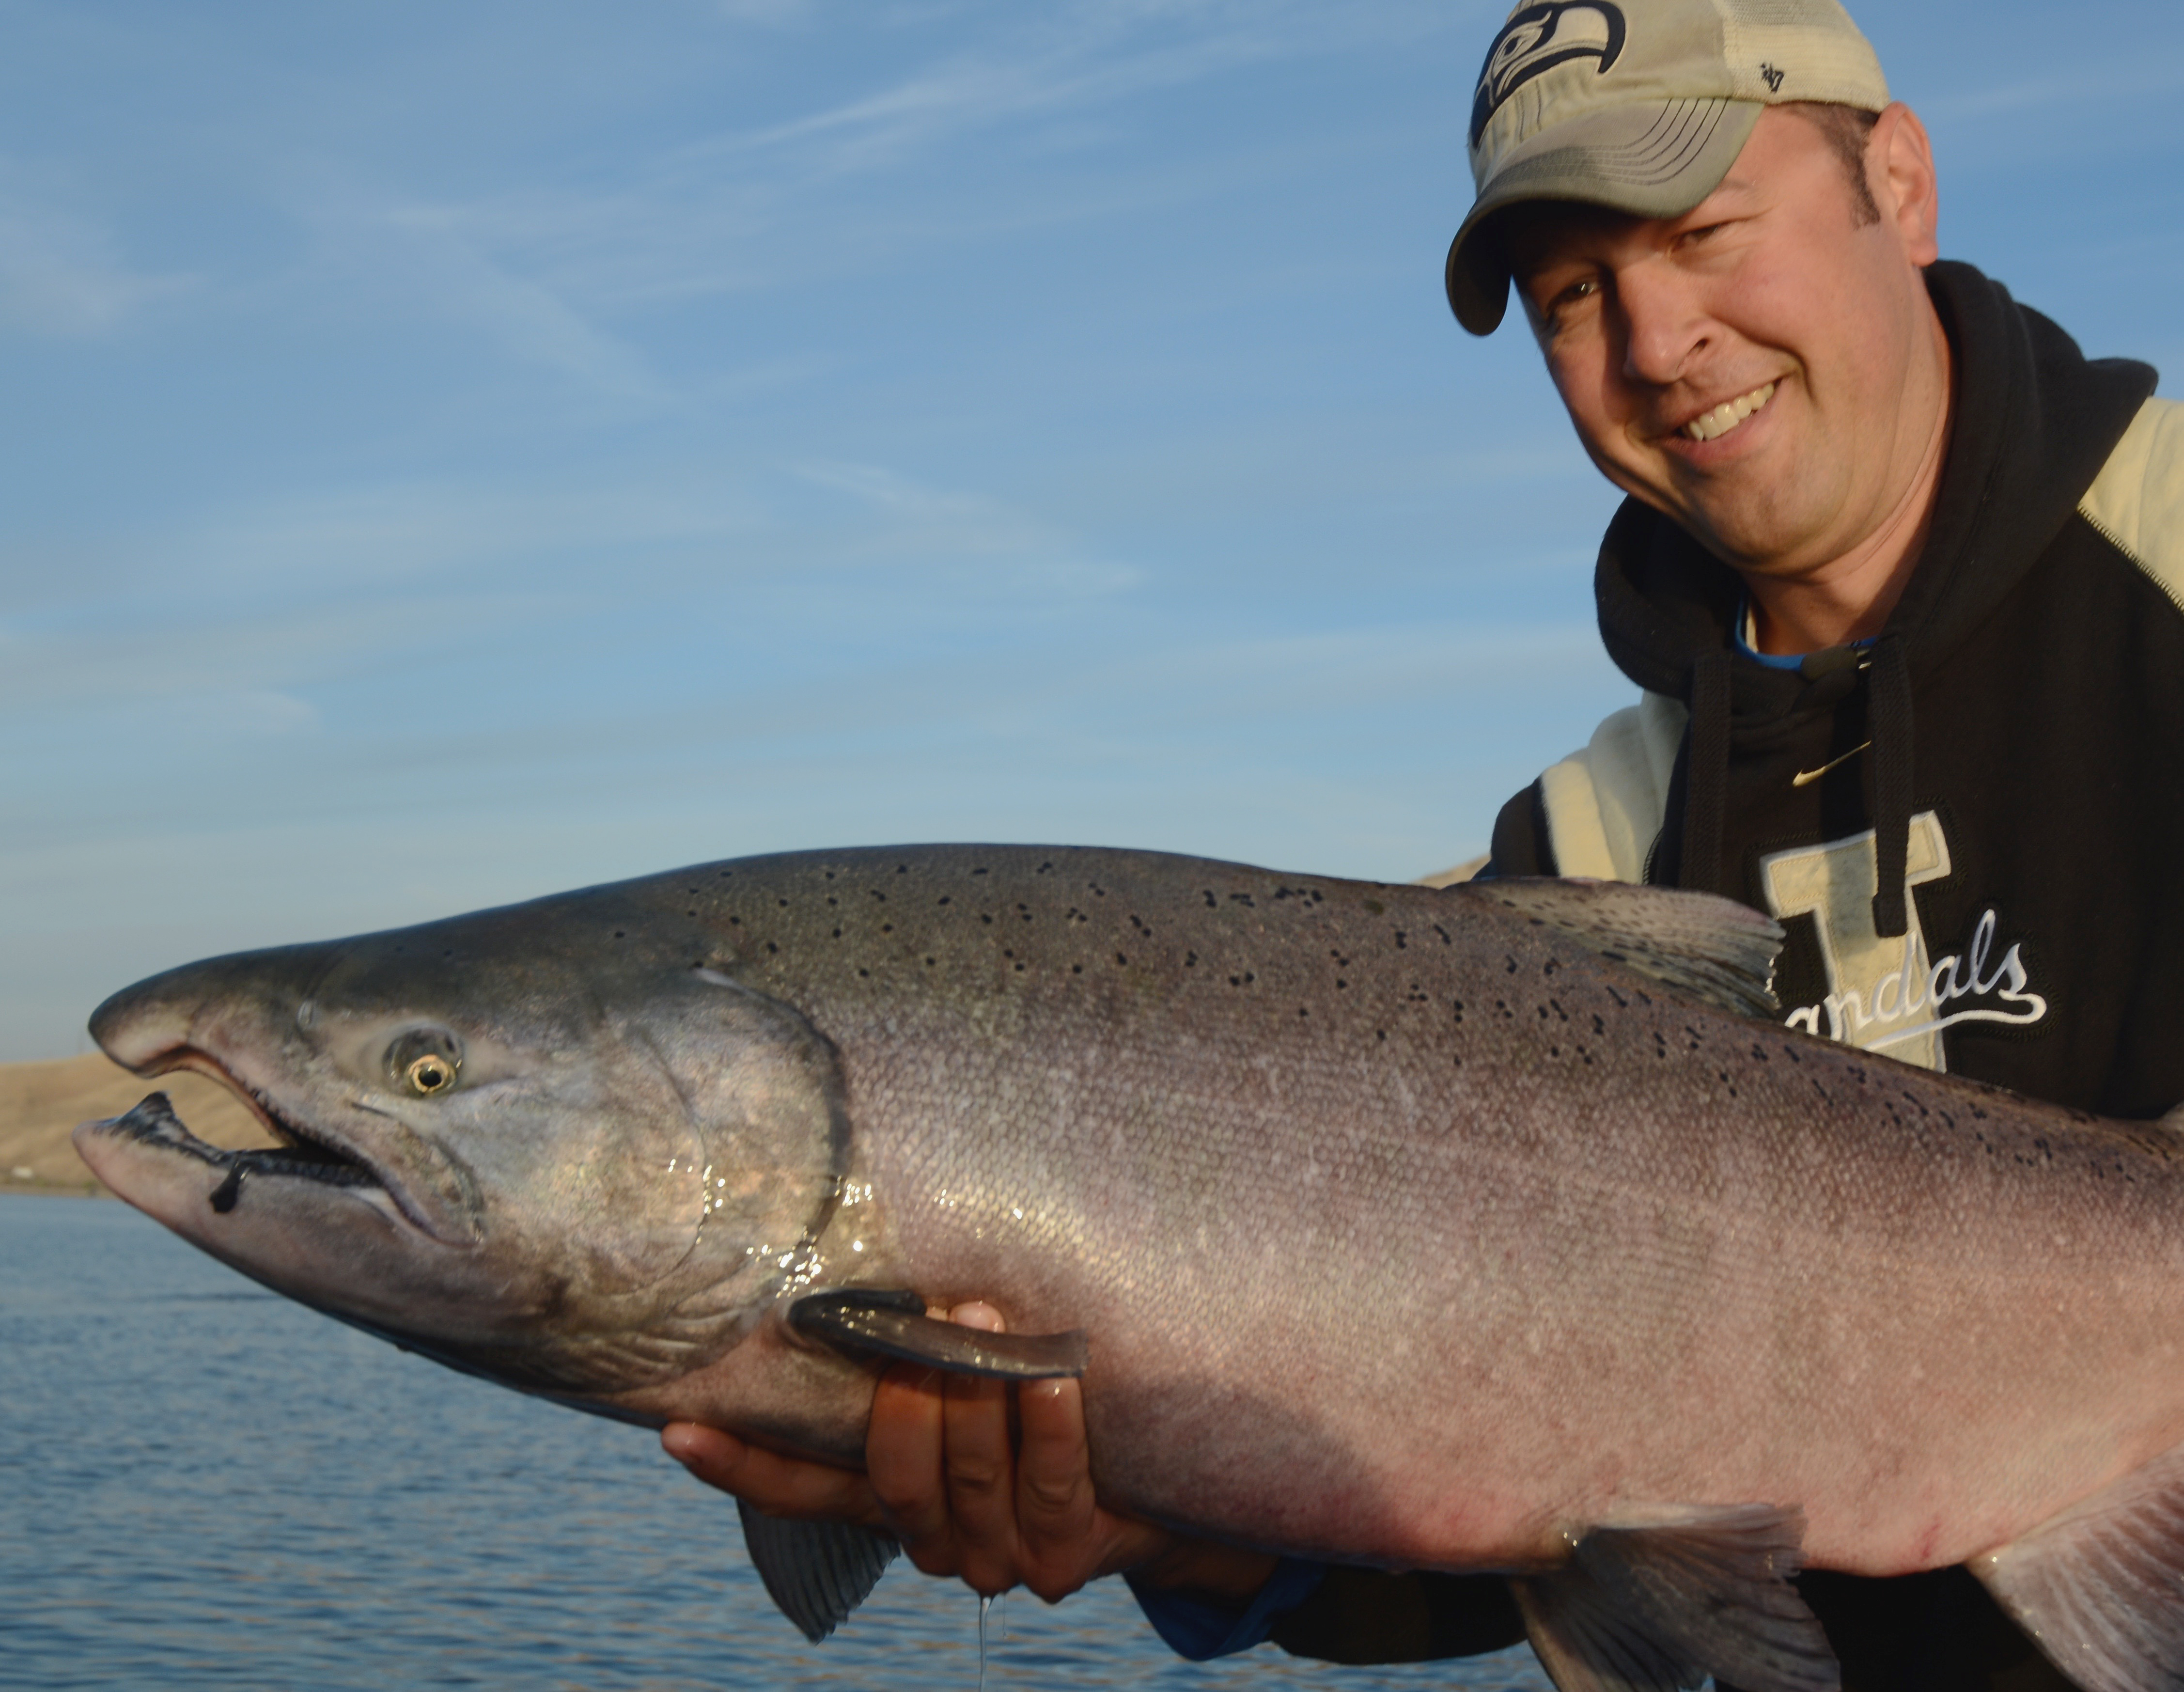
x: 1403, y: 1226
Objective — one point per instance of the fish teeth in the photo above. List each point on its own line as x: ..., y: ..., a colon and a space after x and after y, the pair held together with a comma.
x: 1728, y: 414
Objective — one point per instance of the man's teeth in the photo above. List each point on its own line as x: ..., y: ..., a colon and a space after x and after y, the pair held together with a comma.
x: 1727, y: 416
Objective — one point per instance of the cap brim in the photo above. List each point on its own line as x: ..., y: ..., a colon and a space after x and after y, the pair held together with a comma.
x: 1659, y: 159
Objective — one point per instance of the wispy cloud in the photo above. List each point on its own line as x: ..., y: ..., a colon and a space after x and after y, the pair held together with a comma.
x: 62, y: 272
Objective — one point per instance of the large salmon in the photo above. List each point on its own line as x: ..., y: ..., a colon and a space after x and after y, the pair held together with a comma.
x: 1485, y: 1229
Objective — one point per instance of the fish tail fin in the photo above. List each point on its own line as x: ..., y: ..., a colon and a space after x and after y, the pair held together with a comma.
x: 2100, y: 1587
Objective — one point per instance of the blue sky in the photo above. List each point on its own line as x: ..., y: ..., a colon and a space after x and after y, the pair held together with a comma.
x: 454, y: 453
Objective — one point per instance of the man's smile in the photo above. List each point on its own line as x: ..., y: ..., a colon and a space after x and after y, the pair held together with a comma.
x: 1713, y: 424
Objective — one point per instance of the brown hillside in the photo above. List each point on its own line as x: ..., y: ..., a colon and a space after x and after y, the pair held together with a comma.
x: 41, y: 1103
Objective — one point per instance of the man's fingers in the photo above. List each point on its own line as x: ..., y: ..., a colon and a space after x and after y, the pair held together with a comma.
x: 903, y: 1457
x: 779, y: 1486
x: 981, y: 1468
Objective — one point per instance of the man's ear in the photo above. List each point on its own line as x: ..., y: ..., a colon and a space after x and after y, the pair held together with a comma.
x: 1899, y: 164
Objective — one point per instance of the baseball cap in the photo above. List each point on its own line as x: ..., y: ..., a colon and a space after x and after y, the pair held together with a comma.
x: 1640, y: 106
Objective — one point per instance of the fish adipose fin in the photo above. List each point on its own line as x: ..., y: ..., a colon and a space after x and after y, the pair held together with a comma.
x: 2100, y: 1587
x: 816, y: 1572
x: 1658, y: 1608
x: 883, y: 1323
x: 1714, y: 949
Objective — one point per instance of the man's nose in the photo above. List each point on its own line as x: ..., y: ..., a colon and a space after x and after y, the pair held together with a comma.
x: 1664, y: 325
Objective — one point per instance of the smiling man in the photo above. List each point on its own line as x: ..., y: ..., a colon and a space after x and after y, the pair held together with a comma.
x: 1901, y: 579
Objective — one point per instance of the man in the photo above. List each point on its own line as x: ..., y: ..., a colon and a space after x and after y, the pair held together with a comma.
x: 1902, y: 578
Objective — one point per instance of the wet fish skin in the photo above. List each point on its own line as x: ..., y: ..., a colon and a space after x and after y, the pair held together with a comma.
x: 1403, y: 1226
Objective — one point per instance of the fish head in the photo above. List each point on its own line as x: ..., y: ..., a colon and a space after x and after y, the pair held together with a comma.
x: 530, y: 1143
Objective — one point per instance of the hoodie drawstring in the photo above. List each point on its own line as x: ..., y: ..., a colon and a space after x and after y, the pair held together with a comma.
x: 1888, y: 699
x: 1706, y: 780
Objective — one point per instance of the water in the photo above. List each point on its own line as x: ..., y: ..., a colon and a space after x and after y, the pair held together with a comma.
x: 204, y: 1486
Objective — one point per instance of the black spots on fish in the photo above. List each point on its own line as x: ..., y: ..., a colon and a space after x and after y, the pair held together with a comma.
x: 945, y: 900
x: 1302, y: 1011
x: 1023, y: 912
x: 1077, y: 968
x: 1456, y: 1009
x: 1443, y: 933
x: 1502, y: 1005
x: 1722, y: 1075
x: 1243, y: 980
x: 1617, y: 956
x: 1550, y: 967
x: 1511, y: 963
x: 1121, y: 958
x: 1691, y: 1034
x: 1978, y: 1115
x: 978, y: 871
x: 837, y: 934
x: 1561, y: 1015
x: 928, y: 963
x: 687, y: 913
x: 1098, y: 892
x: 770, y: 946
x: 730, y: 875
x: 1598, y: 1026
x: 1402, y: 941
x: 1249, y: 903
x: 1211, y: 903
x: 1011, y: 956
x: 865, y: 974
x: 1621, y: 1003
x: 876, y: 893
x: 1140, y: 926
x: 1758, y: 1051
x: 987, y: 918
x: 1044, y: 868
x: 735, y: 922
x: 1822, y: 1091
x: 1380, y: 1033
x: 1791, y: 1052
x: 620, y: 934
x: 1190, y: 960
x: 1660, y: 1044
x: 1376, y: 908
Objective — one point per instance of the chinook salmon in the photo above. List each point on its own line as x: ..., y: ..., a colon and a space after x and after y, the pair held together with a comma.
x: 1483, y: 1229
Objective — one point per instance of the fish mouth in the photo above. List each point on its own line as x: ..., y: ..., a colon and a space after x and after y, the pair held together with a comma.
x: 304, y: 1153
x: 154, y: 1123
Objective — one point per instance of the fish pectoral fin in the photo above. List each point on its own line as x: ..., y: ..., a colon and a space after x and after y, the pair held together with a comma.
x: 816, y: 1572
x: 2100, y: 1587
x: 883, y: 1323
x: 1714, y: 949
x: 1659, y: 1607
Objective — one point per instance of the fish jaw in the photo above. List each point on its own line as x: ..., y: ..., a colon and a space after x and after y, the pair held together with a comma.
x: 319, y: 1230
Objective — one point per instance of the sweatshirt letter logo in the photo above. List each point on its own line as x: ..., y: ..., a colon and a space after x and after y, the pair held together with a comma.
x: 1886, y: 994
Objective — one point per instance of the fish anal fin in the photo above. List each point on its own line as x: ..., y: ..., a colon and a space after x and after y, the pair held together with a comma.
x: 1712, y: 948
x: 816, y: 1572
x: 883, y: 1323
x: 1659, y: 1607
x: 2100, y: 1587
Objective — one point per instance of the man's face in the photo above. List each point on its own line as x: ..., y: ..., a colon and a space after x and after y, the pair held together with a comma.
x: 1763, y: 369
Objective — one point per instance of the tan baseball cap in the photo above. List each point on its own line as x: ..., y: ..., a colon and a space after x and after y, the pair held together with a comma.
x: 1638, y: 105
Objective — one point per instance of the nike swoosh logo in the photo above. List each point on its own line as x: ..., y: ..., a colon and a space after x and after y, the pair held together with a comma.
x: 1805, y: 778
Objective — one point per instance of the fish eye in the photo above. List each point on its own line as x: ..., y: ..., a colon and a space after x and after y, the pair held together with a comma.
x: 424, y: 1060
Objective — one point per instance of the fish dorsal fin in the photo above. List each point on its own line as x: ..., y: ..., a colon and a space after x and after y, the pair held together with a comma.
x: 882, y: 1322
x: 2097, y: 1586
x: 1712, y: 948
x: 816, y: 1572
x: 1659, y: 1607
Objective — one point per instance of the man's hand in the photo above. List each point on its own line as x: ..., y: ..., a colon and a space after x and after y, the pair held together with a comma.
x: 945, y: 1478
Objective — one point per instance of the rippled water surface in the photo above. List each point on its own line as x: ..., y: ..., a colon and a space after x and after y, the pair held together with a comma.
x: 203, y: 1485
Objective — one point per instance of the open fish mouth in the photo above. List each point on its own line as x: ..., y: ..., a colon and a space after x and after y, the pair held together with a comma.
x: 154, y: 1123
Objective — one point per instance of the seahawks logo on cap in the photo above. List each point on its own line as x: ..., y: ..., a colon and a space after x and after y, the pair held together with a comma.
x: 1537, y: 39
